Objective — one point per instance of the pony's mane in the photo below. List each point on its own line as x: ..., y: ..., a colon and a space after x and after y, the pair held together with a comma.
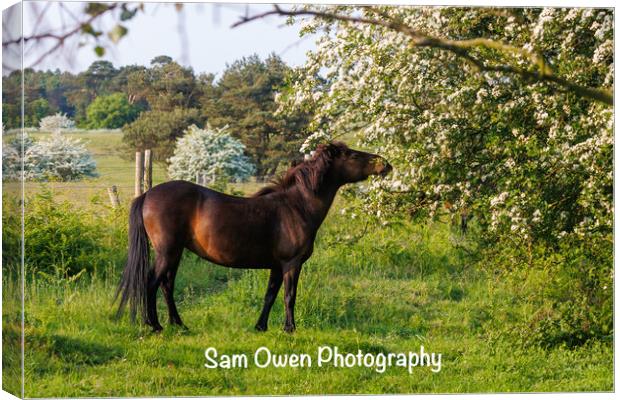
x: 308, y: 173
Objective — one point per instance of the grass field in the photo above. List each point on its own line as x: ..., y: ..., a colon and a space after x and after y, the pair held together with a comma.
x: 111, y: 167
x: 393, y: 289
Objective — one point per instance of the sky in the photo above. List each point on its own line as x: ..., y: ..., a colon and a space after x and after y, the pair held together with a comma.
x: 199, y: 36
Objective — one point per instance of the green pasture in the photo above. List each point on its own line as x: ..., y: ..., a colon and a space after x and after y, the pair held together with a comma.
x: 387, y: 289
x: 113, y: 168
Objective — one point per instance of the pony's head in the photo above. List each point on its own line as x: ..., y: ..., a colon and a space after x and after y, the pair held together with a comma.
x: 349, y: 166
x: 334, y: 162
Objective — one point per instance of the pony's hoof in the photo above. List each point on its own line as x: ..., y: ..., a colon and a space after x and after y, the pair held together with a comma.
x: 179, y: 325
x: 157, y: 329
x: 260, y: 328
x: 289, y: 328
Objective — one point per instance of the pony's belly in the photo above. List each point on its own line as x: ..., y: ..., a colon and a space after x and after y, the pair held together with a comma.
x: 234, y: 234
x: 234, y: 255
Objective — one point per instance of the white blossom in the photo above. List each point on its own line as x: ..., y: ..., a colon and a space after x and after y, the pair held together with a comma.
x: 210, y: 153
x: 58, y: 157
x: 56, y: 122
x: 511, y: 148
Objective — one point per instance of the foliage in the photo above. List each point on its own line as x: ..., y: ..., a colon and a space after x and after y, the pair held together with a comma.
x: 396, y: 288
x: 11, y: 231
x: 11, y: 163
x: 64, y: 92
x: 571, y: 290
x: 40, y: 109
x: 11, y: 156
x: 61, y: 237
x: 532, y: 164
x: 171, y: 92
x: 112, y: 111
x: 158, y: 130
x: 58, y: 158
x: 56, y: 122
x: 165, y: 86
x: 244, y: 99
x: 212, y: 153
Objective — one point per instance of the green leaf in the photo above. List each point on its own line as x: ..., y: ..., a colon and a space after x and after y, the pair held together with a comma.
x: 89, y: 30
x: 95, y: 8
x: 126, y: 14
x: 117, y: 33
x: 100, y: 51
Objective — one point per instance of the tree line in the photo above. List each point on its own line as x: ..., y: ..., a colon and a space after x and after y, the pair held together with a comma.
x: 155, y: 104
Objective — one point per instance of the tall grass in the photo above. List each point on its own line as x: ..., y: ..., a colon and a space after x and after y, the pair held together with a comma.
x: 371, y: 287
x: 393, y: 289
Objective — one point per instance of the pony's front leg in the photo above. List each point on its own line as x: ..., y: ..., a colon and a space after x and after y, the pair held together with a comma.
x: 291, y: 277
x: 275, y: 281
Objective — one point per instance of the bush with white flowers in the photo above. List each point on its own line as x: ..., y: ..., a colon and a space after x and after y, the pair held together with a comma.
x: 56, y: 122
x: 532, y: 161
x: 58, y: 158
x: 10, y: 163
x: 11, y: 156
x: 211, y: 153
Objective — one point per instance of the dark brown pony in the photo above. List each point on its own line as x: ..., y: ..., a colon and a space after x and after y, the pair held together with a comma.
x: 274, y: 229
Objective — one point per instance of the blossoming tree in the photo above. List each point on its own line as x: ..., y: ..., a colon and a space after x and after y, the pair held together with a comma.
x: 56, y: 122
x: 505, y: 112
x: 210, y: 153
x: 58, y: 158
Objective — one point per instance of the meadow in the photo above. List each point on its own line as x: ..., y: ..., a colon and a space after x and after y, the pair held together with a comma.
x: 389, y: 288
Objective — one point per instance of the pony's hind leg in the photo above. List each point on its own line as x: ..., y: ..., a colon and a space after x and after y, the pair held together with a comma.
x: 167, y: 287
x: 151, y: 300
x: 164, y: 260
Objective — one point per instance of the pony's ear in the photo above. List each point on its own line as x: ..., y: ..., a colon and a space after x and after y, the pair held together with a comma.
x: 321, y: 148
x: 332, y: 150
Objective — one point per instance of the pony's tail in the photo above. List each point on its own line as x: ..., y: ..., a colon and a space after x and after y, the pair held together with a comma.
x: 134, y: 282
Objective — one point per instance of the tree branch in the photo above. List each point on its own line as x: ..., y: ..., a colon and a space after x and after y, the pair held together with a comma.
x: 60, y: 38
x: 460, y: 48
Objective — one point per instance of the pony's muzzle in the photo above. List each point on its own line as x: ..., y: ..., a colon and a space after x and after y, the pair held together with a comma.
x: 385, y: 169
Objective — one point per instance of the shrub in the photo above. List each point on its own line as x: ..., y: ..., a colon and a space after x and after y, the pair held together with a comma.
x: 10, y: 163
x: 212, y: 153
x: 56, y: 122
x: 11, y: 232
x: 59, y: 236
x: 58, y: 158
x: 11, y: 156
x: 111, y: 112
x: 531, y: 162
x: 158, y: 130
x: 570, y: 289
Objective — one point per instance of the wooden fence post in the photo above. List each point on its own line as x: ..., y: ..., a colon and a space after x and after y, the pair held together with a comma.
x: 148, y: 170
x: 139, y: 174
x: 113, y: 193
